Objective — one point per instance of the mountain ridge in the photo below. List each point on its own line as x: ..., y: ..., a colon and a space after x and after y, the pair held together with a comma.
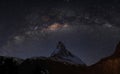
x: 49, y: 65
x: 107, y: 65
x: 62, y: 54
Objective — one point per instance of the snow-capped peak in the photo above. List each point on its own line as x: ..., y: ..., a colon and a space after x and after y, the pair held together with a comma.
x: 62, y: 54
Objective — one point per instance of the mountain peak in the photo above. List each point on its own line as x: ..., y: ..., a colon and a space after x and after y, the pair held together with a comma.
x: 61, y: 45
x: 62, y: 54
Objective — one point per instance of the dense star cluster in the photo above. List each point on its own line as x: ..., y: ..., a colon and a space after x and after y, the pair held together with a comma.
x: 64, y: 19
x: 32, y: 29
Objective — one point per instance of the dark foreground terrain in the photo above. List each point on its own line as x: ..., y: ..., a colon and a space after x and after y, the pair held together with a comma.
x: 49, y: 65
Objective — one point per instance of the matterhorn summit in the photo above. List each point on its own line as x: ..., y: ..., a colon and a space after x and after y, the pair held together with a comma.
x: 62, y: 54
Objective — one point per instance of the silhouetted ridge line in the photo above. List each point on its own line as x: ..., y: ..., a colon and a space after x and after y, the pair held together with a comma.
x: 62, y: 54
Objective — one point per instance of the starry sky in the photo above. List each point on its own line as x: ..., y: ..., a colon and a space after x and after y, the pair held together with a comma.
x: 90, y: 29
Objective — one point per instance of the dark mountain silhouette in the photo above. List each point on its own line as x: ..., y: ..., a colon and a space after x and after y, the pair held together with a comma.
x: 108, y: 65
x: 61, y: 61
x: 48, y: 66
x: 44, y: 65
x: 51, y: 65
x: 9, y: 65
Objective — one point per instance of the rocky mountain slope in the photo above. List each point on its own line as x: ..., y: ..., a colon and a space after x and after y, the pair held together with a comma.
x: 61, y: 61
x: 108, y: 65
x: 62, y: 54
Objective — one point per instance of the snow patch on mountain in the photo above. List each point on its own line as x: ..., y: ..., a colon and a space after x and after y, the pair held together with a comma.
x: 62, y: 54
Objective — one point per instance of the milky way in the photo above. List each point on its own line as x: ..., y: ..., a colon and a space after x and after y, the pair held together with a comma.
x: 90, y: 33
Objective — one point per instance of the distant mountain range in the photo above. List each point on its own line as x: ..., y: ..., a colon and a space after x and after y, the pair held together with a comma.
x: 61, y: 61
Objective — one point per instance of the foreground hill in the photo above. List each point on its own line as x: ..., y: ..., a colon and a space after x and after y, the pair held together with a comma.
x: 60, y: 62
x: 43, y: 65
x: 108, y: 65
x: 9, y: 65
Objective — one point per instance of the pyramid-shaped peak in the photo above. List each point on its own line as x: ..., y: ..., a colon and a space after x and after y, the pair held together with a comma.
x: 60, y: 50
x: 62, y: 54
x: 61, y: 45
x: 117, y: 51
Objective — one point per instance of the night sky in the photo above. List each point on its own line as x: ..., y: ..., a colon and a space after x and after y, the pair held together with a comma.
x: 90, y: 29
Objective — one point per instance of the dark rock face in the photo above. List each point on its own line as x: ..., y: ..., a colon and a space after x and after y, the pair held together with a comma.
x: 38, y: 66
x: 117, y: 51
x: 109, y: 65
x: 9, y: 65
x: 106, y: 66
x: 48, y: 66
